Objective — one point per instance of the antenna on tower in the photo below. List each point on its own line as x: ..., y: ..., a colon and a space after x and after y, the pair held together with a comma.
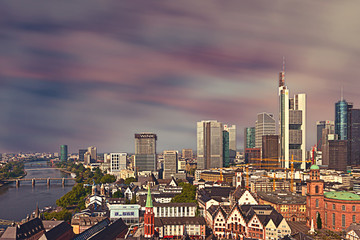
x: 283, y: 67
x: 342, y: 92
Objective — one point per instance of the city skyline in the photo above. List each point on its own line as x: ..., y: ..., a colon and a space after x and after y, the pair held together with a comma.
x: 96, y: 74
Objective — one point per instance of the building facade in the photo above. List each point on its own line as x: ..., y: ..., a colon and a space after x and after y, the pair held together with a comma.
x: 342, y: 108
x: 292, y: 114
x: 63, y: 153
x: 337, y: 210
x: 170, y: 163
x: 354, y: 137
x: 264, y: 125
x: 209, y: 144
x: 231, y: 129
x: 338, y: 154
x: 145, y: 152
x: 118, y: 161
x: 270, y: 149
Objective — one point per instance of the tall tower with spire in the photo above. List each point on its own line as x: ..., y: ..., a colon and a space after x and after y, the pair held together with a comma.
x: 292, y: 119
x: 149, y: 217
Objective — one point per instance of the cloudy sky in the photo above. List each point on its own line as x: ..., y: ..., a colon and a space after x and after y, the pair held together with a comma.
x: 91, y: 72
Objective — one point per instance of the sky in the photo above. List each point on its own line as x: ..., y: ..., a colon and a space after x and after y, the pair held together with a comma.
x: 94, y: 73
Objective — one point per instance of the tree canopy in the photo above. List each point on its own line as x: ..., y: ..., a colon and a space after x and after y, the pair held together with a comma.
x: 188, y: 194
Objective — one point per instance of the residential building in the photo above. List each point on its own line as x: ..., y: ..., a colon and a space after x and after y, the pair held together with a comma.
x: 63, y: 153
x: 290, y: 205
x: 145, y: 151
x: 209, y: 144
x: 249, y: 137
x: 292, y: 127
x: 264, y: 125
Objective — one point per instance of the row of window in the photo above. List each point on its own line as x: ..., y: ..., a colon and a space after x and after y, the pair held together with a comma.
x: 343, y: 219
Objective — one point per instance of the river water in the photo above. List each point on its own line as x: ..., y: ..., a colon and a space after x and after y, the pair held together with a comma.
x: 17, y: 203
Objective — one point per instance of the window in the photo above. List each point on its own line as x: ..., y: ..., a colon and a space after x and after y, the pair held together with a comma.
x: 343, y: 207
x: 353, y: 208
x: 316, y: 189
x: 325, y: 205
x: 354, y: 218
x: 343, y: 220
x: 325, y: 218
x: 333, y: 219
x: 333, y: 206
x: 317, y: 203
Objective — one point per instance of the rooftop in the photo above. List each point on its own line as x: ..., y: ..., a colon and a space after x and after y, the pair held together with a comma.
x: 348, y: 196
x: 282, y: 197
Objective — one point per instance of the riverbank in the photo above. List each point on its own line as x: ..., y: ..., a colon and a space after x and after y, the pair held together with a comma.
x: 5, y: 182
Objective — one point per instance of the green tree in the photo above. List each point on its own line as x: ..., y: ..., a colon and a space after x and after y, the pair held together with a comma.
x: 188, y: 193
x: 118, y: 194
x: 318, y: 221
x: 130, y: 180
x: 64, y: 215
x: 108, y: 178
x: 133, y: 200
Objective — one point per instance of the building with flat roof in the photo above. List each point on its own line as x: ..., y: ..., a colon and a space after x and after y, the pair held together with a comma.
x: 145, y: 152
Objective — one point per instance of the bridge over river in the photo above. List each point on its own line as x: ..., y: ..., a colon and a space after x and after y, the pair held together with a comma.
x: 33, y: 180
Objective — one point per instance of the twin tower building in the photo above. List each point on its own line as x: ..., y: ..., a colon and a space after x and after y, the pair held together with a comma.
x: 215, y: 140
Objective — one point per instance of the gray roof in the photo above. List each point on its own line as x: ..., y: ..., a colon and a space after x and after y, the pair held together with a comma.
x: 282, y: 197
x: 179, y: 221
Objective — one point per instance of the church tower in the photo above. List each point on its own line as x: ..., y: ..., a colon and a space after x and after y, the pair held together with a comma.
x: 149, y: 218
x: 314, y: 197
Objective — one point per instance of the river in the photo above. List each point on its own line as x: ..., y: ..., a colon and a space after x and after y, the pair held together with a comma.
x: 17, y: 203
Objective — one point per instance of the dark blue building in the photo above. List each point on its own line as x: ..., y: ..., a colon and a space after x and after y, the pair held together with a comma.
x: 341, y: 119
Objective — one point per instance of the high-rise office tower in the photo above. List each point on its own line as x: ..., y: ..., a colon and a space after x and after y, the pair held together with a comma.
x: 270, y: 147
x: 328, y: 133
x: 170, y: 164
x: 249, y: 137
x: 117, y: 161
x: 187, y: 153
x: 338, y: 155
x: 81, y: 154
x: 226, y: 150
x: 341, y: 118
x: 264, y: 125
x: 292, y: 116
x: 231, y: 129
x: 353, y: 137
x: 145, y: 151
x: 320, y: 125
x: 93, y: 154
x: 209, y: 144
x: 63, y: 153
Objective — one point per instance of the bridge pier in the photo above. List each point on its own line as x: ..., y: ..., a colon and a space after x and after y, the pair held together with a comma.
x: 63, y: 182
x: 17, y: 183
x: 48, y: 182
x: 33, y: 182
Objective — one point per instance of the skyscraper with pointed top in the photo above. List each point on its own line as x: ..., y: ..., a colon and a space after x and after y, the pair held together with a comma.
x: 149, y: 217
x: 292, y: 119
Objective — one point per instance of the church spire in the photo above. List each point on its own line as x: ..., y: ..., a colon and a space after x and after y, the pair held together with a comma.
x: 149, y: 203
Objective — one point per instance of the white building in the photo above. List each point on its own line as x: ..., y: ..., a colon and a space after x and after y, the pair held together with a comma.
x: 117, y: 161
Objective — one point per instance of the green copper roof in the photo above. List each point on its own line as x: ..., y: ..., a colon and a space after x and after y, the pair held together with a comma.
x: 314, y: 167
x: 149, y: 202
x: 348, y: 196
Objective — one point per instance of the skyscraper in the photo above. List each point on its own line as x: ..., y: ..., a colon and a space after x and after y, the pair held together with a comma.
x: 264, y: 125
x: 320, y: 125
x: 338, y: 155
x: 81, y: 154
x: 231, y: 129
x: 292, y: 116
x: 354, y: 137
x: 209, y: 144
x: 93, y: 154
x: 341, y: 118
x: 63, y: 153
x: 226, y: 150
x: 249, y: 137
x: 145, y: 151
x: 170, y: 163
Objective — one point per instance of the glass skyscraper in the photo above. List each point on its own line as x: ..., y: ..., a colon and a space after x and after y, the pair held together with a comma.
x: 249, y: 137
x: 341, y: 118
x: 63, y: 153
x: 226, y: 150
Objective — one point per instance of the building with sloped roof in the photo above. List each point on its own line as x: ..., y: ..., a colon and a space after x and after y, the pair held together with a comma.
x: 292, y: 206
x: 194, y: 227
